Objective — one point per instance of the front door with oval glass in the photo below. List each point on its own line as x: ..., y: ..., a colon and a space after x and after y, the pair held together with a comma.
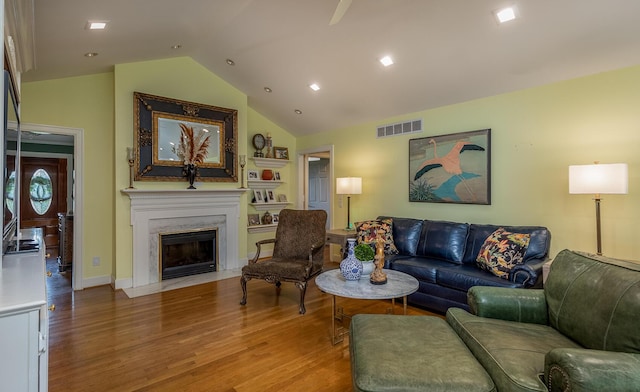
x: 43, y: 194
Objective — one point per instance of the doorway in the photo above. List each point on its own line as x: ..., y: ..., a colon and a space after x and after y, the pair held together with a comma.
x: 49, y: 146
x: 315, y: 180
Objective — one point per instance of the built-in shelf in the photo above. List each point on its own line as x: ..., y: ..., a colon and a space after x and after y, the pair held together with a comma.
x: 264, y: 184
x: 269, y: 206
x: 270, y: 162
x: 262, y: 228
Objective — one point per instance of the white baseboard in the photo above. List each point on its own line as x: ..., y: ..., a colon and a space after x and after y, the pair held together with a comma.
x: 96, y: 281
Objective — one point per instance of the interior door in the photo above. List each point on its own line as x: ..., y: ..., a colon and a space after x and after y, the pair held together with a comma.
x: 318, y: 194
x: 43, y: 196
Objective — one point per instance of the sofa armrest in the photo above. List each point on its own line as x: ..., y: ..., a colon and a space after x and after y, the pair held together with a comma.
x: 525, y: 306
x: 528, y: 274
x: 571, y: 369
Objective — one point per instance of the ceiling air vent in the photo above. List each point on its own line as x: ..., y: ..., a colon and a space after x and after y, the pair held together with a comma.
x: 400, y: 128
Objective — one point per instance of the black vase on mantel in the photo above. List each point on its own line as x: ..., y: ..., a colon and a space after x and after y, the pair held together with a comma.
x: 190, y: 171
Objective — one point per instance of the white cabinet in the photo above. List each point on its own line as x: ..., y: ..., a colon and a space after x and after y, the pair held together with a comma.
x: 24, y: 323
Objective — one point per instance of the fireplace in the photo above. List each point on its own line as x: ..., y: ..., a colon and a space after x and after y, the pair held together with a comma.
x: 188, y: 253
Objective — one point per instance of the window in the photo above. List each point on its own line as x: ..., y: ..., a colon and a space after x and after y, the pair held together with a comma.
x: 40, y: 191
x: 11, y: 184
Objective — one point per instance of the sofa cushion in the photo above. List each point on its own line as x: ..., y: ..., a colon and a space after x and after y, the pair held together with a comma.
x: 595, y: 300
x: 511, y: 352
x: 406, y: 234
x: 443, y: 240
x: 421, y: 268
x: 367, y: 233
x: 463, y: 277
x: 540, y: 239
x: 502, y: 251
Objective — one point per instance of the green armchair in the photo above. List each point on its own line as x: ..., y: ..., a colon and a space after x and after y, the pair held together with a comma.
x: 580, y: 333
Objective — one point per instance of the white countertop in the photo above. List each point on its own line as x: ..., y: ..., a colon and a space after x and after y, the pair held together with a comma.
x: 22, y: 280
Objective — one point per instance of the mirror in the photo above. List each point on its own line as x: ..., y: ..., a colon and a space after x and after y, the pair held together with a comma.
x: 160, y: 125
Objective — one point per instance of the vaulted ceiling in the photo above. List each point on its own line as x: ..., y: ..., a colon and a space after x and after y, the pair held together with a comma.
x: 445, y: 51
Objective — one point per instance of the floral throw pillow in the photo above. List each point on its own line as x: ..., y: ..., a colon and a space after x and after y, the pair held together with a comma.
x: 502, y: 251
x: 368, y: 233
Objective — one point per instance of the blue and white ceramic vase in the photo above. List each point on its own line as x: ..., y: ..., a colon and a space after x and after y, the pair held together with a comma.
x: 351, y: 267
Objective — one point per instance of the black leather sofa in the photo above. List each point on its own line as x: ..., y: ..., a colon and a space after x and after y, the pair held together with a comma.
x: 442, y: 256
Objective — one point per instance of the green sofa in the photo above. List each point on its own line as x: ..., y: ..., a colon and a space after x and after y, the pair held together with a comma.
x: 581, y: 332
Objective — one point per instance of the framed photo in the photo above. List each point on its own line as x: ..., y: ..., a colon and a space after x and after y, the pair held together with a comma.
x: 281, y: 152
x: 270, y: 197
x: 276, y: 176
x: 282, y: 198
x: 258, y: 196
x: 164, y: 127
x: 276, y: 217
x: 252, y: 175
x: 453, y: 168
x: 254, y: 219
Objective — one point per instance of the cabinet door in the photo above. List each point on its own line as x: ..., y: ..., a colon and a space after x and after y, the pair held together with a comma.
x: 19, y: 360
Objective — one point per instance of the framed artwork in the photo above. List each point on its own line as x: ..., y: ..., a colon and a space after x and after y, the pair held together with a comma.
x: 282, y: 198
x: 276, y: 176
x: 453, y: 168
x: 252, y: 175
x: 166, y: 127
x: 254, y: 219
x: 276, y: 218
x: 258, y: 196
x: 281, y: 152
x: 270, y: 197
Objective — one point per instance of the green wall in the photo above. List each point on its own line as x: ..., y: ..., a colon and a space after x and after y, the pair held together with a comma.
x: 84, y: 102
x: 536, y: 134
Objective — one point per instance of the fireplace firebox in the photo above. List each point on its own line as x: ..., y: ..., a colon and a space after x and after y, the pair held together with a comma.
x: 188, y: 253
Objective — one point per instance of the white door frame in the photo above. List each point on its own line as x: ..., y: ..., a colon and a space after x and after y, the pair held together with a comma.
x: 303, y: 178
x: 78, y: 211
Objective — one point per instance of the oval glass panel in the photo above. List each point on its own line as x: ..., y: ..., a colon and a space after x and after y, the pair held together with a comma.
x: 40, y: 191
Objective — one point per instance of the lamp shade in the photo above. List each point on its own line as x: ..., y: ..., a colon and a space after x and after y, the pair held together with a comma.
x: 349, y: 185
x: 610, y: 178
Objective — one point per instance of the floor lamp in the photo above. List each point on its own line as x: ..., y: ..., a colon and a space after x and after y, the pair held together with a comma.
x: 349, y: 186
x: 599, y: 179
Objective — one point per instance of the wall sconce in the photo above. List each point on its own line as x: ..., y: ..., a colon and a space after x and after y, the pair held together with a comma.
x: 349, y: 186
x: 599, y: 179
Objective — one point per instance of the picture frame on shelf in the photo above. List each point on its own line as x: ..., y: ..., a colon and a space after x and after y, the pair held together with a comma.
x: 253, y: 219
x: 276, y: 217
x: 270, y: 197
x: 258, y: 196
x: 281, y: 152
x: 252, y: 175
x: 282, y: 198
x: 276, y: 176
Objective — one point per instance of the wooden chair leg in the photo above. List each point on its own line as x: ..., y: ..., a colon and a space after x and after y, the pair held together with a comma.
x: 303, y: 290
x: 243, y: 284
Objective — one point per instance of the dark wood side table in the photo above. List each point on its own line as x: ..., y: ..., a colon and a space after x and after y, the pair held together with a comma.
x: 340, y: 237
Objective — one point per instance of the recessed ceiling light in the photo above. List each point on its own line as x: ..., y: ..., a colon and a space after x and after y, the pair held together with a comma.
x: 230, y: 62
x: 91, y: 54
x: 178, y: 46
x: 505, y: 14
x: 96, y: 25
x: 386, y: 61
x: 267, y: 89
x: 298, y: 111
x: 314, y: 87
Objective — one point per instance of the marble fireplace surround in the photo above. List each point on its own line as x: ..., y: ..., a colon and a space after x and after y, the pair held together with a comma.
x: 157, y: 211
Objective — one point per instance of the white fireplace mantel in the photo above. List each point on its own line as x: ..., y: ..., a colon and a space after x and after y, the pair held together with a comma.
x: 155, y: 210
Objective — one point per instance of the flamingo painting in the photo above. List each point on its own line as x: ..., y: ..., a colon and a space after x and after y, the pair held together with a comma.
x: 450, y: 162
x: 453, y: 175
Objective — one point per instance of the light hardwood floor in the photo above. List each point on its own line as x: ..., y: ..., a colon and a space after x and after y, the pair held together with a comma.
x: 198, y: 339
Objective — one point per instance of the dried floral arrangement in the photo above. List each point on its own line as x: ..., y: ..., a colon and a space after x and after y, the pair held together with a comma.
x: 193, y: 147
